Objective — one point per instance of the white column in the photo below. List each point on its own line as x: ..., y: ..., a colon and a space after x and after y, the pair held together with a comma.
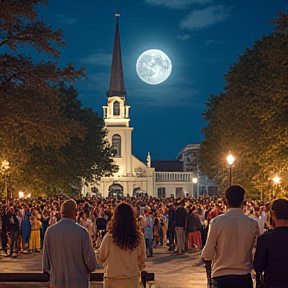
x: 105, y: 189
x: 128, y: 154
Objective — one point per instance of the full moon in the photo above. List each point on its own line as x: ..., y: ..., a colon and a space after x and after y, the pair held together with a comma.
x: 153, y: 66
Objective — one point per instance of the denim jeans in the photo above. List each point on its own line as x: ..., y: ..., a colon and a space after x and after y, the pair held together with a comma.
x: 149, y: 247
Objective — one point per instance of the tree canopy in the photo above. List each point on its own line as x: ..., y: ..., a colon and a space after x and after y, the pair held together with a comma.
x: 37, y: 117
x: 250, y: 117
x: 89, y: 156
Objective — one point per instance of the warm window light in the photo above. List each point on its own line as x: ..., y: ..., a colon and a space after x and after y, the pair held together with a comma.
x: 276, y: 180
x: 230, y: 159
x: 29, y: 195
x: 21, y: 194
x: 194, y: 180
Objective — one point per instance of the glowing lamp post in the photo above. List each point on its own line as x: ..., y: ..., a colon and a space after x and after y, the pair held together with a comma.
x: 195, y: 181
x: 276, y: 181
x: 230, y: 160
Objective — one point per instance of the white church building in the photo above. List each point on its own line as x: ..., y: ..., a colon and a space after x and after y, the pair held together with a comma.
x: 133, y: 175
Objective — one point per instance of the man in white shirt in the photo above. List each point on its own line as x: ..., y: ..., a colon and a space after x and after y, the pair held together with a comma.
x: 229, y: 244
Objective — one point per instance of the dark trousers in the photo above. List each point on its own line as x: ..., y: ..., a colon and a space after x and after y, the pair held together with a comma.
x: 13, y: 240
x: 204, y: 232
x: 4, y: 241
x: 272, y: 286
x: 172, y: 234
x: 232, y: 281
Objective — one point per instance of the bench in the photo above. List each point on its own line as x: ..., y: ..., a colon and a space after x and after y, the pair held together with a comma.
x: 25, y: 279
x: 39, y: 279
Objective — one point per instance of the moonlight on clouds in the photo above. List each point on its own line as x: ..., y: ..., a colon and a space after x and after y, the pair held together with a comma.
x: 153, y: 66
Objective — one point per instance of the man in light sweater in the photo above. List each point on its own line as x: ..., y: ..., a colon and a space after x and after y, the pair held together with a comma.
x: 67, y: 252
x: 230, y: 240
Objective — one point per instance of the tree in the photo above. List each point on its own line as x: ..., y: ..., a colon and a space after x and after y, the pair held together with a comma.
x: 250, y: 117
x: 30, y: 105
x: 83, y: 158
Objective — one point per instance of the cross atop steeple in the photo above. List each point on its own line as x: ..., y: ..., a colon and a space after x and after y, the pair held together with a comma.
x: 117, y: 86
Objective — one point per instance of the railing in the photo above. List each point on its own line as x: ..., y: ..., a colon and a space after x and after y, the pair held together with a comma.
x: 173, y: 177
x: 39, y: 279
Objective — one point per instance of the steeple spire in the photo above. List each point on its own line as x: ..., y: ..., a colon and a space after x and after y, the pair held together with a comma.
x: 117, y: 86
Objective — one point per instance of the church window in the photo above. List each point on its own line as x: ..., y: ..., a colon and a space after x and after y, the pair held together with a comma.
x: 161, y: 192
x: 116, y: 108
x: 179, y: 192
x: 116, y: 145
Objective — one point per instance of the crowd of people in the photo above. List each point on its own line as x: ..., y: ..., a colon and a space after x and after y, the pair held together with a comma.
x: 225, y: 230
x: 181, y: 224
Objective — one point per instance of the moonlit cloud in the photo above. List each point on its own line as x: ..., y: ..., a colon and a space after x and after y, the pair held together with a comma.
x: 199, y: 19
x: 99, y: 59
x: 212, y: 41
x: 65, y: 20
x: 93, y: 90
x: 183, y: 37
x: 178, y: 96
x: 177, y: 4
x: 70, y: 21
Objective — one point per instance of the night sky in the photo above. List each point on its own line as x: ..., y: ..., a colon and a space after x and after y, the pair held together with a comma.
x: 203, y: 38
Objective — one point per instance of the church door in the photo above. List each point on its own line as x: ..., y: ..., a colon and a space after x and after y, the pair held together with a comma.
x: 115, y: 190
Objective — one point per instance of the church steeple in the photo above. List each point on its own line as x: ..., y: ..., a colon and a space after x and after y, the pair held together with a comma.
x: 117, y: 86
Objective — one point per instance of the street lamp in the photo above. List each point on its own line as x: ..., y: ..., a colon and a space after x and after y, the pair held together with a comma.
x: 276, y: 181
x: 230, y: 160
x: 195, y: 181
x: 21, y: 194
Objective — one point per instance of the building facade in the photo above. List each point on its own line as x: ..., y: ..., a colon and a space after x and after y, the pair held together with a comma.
x: 133, y: 176
x: 189, y: 155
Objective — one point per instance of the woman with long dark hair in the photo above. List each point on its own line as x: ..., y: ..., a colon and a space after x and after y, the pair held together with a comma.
x: 123, y: 249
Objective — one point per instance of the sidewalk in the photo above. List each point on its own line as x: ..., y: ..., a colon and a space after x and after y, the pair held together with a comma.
x: 171, y: 270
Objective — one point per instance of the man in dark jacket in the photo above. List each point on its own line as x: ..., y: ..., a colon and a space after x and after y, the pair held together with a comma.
x: 271, y: 255
x: 171, y: 226
x: 180, y: 224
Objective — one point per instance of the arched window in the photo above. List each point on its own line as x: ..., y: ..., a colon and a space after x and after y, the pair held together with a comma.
x: 116, y: 145
x: 116, y: 108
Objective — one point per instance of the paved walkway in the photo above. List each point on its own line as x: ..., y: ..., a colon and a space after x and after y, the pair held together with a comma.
x: 171, y: 271
x: 175, y: 271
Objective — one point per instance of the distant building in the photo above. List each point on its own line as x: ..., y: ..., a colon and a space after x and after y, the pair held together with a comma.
x: 171, y: 180
x: 190, y: 157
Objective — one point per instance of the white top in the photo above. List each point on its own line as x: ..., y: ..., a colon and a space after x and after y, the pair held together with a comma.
x: 229, y: 244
